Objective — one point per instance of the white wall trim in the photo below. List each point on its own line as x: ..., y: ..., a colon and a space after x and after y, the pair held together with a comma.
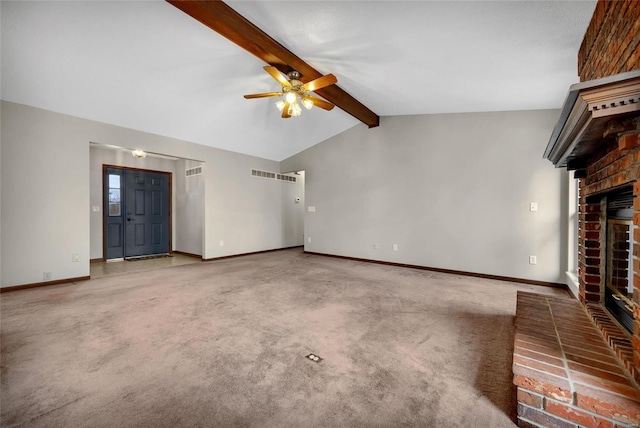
x: 573, y: 283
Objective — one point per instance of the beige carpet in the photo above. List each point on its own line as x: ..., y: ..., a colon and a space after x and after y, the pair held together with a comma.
x: 224, y: 344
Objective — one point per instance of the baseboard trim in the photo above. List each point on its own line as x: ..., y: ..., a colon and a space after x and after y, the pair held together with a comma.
x: 98, y: 260
x: 195, y: 256
x: 449, y: 271
x: 44, y: 284
x: 250, y: 254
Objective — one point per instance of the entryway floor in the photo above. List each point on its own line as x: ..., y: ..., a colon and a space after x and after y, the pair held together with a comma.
x: 101, y: 269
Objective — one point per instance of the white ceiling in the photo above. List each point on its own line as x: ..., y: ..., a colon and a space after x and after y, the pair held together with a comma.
x: 148, y: 66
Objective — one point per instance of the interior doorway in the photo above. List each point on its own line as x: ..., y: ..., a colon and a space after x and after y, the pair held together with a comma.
x: 137, y: 214
x: 294, y: 222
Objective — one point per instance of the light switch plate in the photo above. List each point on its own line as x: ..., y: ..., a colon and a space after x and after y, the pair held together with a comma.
x: 533, y: 206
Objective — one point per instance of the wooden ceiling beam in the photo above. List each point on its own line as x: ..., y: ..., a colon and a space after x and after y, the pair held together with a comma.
x: 221, y: 18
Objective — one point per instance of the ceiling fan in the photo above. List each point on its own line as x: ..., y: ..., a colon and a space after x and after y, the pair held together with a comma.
x: 293, y: 90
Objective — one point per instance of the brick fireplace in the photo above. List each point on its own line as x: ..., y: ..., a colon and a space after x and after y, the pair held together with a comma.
x: 577, y: 362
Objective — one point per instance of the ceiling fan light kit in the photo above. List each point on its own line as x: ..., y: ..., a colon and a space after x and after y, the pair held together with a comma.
x: 294, y: 92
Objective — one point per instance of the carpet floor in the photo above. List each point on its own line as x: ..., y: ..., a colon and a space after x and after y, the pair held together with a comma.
x: 224, y: 344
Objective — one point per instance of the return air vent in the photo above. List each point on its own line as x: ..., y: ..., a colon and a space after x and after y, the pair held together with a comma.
x: 272, y: 175
x: 286, y: 178
x: 196, y: 170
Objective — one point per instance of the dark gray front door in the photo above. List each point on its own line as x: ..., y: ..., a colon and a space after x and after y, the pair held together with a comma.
x: 137, y: 217
x: 147, y: 213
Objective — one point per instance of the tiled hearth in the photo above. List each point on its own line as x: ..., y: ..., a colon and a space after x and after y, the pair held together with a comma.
x: 566, y: 373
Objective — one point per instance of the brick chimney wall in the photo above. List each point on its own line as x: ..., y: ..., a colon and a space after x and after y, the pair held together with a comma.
x: 571, y: 375
x: 611, y: 44
x: 618, y: 164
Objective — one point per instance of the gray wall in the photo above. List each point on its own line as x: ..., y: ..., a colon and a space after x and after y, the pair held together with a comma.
x: 45, y: 175
x: 292, y: 211
x: 189, y: 210
x: 451, y: 190
x: 99, y: 156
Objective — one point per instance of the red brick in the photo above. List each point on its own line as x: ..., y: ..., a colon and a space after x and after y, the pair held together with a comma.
x: 591, y: 297
x: 525, y: 424
x: 606, y: 358
x: 591, y: 270
x: 592, y: 261
x: 525, y: 333
x: 548, y: 385
x: 604, y: 370
x: 540, y: 418
x: 590, y: 217
x: 544, y: 358
x: 553, y: 351
x: 595, y: 350
x: 593, y: 234
x: 607, y: 404
x: 573, y: 414
x: 592, y: 226
x: 582, y: 331
x: 621, y: 164
x: 538, y: 365
x: 619, y: 178
x: 621, y: 386
x: 529, y: 398
x: 629, y: 141
x: 595, y: 208
x: 592, y: 288
x: 592, y: 279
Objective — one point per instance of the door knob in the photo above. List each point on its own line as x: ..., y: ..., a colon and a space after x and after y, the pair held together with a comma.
x: 129, y: 219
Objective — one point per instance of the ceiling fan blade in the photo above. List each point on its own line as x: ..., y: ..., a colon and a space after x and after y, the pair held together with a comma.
x: 285, y: 111
x: 319, y: 103
x: 275, y: 73
x: 264, y: 95
x: 320, y: 82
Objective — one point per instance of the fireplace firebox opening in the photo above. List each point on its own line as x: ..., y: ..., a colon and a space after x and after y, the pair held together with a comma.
x: 619, y: 256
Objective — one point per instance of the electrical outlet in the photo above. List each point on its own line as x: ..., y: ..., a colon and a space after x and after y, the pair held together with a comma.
x: 309, y: 240
x: 75, y: 257
x: 375, y: 246
x: 395, y: 247
x: 222, y: 243
x: 533, y: 260
x: 46, y: 276
x: 311, y: 209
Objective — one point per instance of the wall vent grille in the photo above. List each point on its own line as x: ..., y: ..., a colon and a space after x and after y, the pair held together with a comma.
x: 196, y: 170
x: 272, y: 176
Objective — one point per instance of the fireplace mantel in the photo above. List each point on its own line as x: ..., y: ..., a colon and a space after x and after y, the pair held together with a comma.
x: 588, y: 111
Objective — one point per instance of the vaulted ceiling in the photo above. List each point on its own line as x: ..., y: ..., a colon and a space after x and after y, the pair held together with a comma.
x: 149, y: 66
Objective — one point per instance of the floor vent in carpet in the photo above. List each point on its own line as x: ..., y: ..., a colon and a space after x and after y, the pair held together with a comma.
x: 314, y: 357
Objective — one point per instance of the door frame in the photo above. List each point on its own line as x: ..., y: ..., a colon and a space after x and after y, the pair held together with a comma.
x: 104, y: 221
